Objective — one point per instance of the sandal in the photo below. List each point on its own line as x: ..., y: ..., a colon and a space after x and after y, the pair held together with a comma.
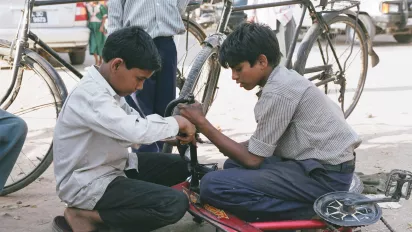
x: 60, y: 225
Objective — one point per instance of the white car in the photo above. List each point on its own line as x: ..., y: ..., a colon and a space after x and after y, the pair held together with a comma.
x: 62, y: 27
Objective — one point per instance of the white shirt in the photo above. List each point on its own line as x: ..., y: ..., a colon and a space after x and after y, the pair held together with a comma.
x: 93, y: 133
x: 269, y: 15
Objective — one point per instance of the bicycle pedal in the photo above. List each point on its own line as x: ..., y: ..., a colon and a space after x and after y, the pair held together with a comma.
x: 396, y: 182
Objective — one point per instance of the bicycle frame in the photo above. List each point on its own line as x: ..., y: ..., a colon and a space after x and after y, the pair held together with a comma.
x: 307, y: 5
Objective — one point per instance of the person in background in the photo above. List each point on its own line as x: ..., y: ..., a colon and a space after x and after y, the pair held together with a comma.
x: 279, y: 19
x: 97, y: 14
x: 161, y: 20
x: 13, y: 131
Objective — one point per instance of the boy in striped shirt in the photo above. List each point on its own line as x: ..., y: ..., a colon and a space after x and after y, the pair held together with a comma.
x: 301, y: 149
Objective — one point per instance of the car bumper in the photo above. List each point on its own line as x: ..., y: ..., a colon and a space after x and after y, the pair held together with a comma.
x: 392, y: 21
x: 55, y: 37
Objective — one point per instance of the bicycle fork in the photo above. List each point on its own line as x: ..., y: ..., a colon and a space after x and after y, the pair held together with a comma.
x: 20, y: 44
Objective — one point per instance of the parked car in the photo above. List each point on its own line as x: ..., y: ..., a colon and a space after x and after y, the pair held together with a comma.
x: 392, y: 17
x: 63, y: 27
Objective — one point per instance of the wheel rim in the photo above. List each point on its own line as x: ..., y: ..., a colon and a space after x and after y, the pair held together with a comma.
x: 355, y: 55
x: 38, y: 107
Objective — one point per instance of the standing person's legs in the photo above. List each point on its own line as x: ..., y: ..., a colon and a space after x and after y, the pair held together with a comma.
x: 13, y: 131
x: 284, y: 35
x: 96, y: 59
x: 160, y: 89
x: 166, y: 82
x: 93, y: 43
x: 142, y: 202
x: 100, y: 40
x: 289, y: 31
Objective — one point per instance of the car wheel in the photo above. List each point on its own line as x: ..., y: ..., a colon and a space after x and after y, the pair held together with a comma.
x: 403, y: 39
x: 77, y: 57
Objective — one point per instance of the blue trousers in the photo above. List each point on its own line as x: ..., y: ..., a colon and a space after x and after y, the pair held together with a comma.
x: 13, y: 131
x: 278, y: 190
x: 159, y: 90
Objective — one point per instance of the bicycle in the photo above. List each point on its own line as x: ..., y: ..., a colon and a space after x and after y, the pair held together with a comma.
x: 21, y: 57
x: 325, y: 27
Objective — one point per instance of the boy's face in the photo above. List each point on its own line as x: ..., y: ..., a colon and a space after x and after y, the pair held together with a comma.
x: 125, y: 81
x: 247, y: 76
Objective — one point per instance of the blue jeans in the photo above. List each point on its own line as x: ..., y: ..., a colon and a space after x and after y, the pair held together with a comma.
x: 278, y: 190
x: 13, y: 131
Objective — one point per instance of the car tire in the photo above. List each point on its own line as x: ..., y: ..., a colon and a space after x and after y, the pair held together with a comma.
x: 403, y: 38
x: 77, y: 57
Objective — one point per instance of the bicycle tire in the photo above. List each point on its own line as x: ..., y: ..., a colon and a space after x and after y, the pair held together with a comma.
x: 59, y: 92
x: 204, y: 55
x: 193, y: 28
x: 309, y: 40
x: 207, y: 52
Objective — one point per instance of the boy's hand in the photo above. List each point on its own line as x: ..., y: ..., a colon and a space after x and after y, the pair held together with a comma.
x: 193, y: 112
x: 186, y: 128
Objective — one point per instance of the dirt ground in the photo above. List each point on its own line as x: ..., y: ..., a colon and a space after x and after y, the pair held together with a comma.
x: 382, y: 118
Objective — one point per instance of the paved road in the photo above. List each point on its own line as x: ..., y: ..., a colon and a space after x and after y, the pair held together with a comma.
x: 382, y: 118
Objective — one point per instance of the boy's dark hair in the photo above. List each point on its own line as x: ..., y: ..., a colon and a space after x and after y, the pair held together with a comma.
x: 246, y: 43
x: 134, y: 46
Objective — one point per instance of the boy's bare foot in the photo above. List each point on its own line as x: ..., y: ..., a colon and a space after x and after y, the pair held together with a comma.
x: 82, y: 220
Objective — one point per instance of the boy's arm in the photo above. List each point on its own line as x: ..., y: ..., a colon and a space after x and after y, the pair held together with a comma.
x: 245, y: 143
x: 274, y: 115
x: 230, y: 148
x: 101, y: 113
x: 115, y: 15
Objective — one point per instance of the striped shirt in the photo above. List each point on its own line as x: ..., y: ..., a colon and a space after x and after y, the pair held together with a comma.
x: 295, y: 120
x: 156, y: 17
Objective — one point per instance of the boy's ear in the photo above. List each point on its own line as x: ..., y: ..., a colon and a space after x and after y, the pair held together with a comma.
x: 116, y: 62
x: 262, y: 60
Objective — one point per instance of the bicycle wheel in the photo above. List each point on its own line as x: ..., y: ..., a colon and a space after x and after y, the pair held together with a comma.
x: 202, y: 80
x: 203, y: 77
x: 38, y: 107
x: 188, y: 45
x: 317, y: 63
